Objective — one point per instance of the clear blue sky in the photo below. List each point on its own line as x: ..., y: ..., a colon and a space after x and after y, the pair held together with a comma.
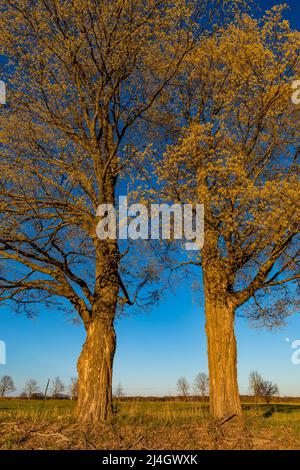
x: 153, y: 349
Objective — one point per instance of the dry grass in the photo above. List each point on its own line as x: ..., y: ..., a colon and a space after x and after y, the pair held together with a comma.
x: 147, y: 425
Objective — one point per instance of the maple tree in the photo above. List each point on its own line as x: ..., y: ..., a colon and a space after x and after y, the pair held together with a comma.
x: 237, y: 151
x: 81, y: 77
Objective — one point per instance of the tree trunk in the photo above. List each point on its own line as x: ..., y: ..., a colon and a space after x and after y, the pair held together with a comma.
x: 95, y: 367
x: 95, y: 364
x: 222, y: 358
x: 220, y: 315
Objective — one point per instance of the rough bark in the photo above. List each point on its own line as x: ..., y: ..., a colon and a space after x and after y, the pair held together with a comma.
x: 95, y: 364
x: 221, y: 343
x: 95, y: 368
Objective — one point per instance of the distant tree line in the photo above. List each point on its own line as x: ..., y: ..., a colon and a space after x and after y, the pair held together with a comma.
x: 32, y: 390
x: 200, y: 386
x: 259, y: 387
x: 57, y: 389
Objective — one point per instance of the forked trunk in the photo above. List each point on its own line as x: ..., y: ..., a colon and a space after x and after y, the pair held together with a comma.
x: 95, y: 367
x: 222, y: 359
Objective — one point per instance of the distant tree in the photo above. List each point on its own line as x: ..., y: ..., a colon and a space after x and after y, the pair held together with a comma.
x: 255, y: 379
x: 201, y: 384
x: 183, y: 387
x: 37, y: 396
x: 74, y: 388
x: 119, y: 392
x: 269, y: 390
x: 6, y: 385
x: 262, y: 388
x: 31, y: 387
x: 57, y: 387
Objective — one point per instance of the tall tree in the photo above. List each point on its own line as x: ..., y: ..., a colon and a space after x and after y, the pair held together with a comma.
x: 262, y: 388
x: 57, y: 387
x: 201, y: 384
x: 119, y: 392
x: 237, y: 153
x: 31, y: 387
x: 183, y: 387
x: 6, y: 385
x: 81, y: 79
x: 74, y: 388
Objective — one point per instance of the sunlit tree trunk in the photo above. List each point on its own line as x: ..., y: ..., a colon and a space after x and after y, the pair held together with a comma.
x: 221, y: 341
x: 222, y: 359
x: 95, y: 368
x: 95, y: 364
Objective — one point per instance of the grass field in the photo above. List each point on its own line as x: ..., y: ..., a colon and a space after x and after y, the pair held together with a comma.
x: 32, y: 424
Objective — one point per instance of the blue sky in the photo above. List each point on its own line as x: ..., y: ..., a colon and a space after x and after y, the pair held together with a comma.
x: 153, y: 349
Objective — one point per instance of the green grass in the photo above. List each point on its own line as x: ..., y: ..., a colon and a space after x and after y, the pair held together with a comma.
x: 134, y: 410
x: 35, y: 409
x: 156, y: 424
